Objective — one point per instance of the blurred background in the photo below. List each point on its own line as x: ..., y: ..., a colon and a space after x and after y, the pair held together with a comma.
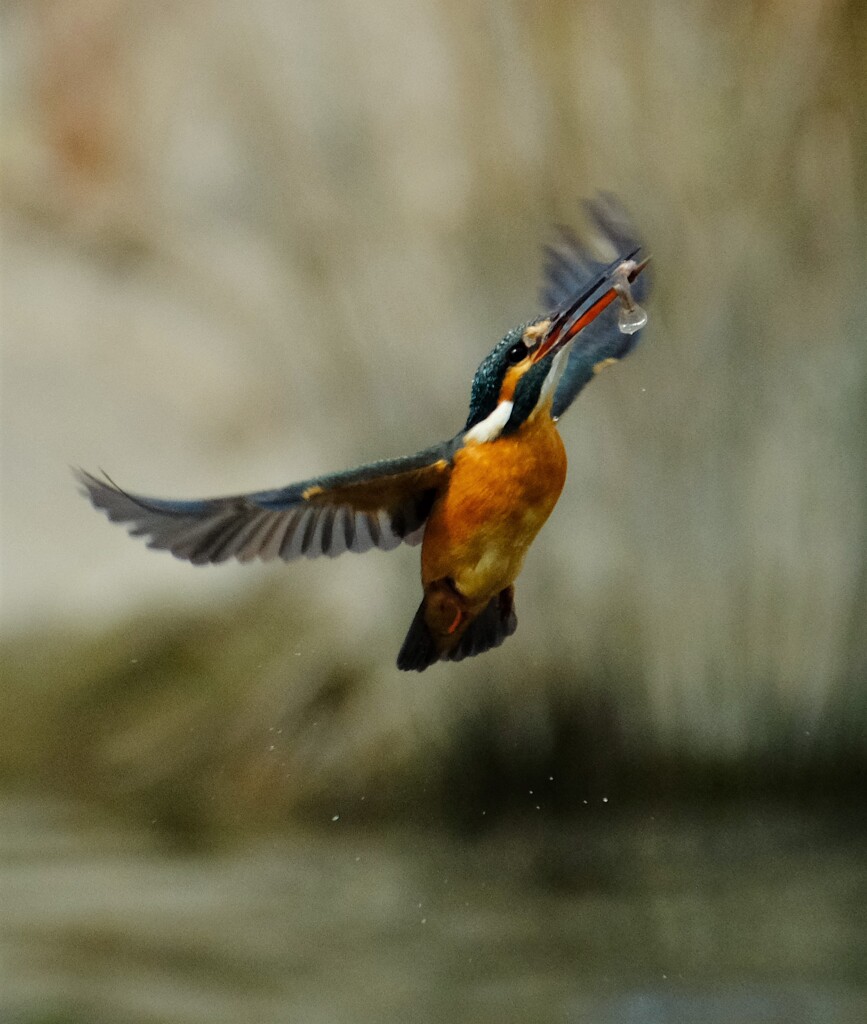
x: 244, y: 243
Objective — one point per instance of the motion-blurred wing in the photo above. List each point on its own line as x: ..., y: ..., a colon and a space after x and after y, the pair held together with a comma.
x: 378, y: 505
x: 571, y: 266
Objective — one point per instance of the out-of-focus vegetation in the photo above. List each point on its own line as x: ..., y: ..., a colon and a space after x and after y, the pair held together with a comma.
x: 146, y: 719
x: 248, y: 242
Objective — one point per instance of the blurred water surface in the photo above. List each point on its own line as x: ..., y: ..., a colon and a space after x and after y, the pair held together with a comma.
x: 740, y: 916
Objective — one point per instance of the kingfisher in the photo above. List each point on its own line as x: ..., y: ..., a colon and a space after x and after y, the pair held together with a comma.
x: 475, y: 502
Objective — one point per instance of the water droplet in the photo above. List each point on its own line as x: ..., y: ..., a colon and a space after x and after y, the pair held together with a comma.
x: 631, y: 318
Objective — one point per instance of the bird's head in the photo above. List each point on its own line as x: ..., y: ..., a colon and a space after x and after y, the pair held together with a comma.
x: 520, y: 374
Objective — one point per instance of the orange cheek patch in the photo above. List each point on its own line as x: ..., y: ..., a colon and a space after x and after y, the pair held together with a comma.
x: 510, y: 382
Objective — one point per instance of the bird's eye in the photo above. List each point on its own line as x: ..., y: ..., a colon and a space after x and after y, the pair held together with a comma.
x: 517, y: 353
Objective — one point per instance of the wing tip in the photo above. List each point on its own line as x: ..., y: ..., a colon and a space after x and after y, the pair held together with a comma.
x: 568, y: 260
x: 94, y: 489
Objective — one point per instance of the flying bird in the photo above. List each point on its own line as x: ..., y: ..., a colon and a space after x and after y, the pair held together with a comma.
x: 474, y: 502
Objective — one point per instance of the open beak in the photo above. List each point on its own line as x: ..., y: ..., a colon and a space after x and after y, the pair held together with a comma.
x: 613, y: 283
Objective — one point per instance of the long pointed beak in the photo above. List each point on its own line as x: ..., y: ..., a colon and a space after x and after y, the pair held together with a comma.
x: 613, y: 283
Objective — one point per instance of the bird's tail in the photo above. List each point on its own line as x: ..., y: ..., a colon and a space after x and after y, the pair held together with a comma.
x: 422, y: 646
x: 420, y: 649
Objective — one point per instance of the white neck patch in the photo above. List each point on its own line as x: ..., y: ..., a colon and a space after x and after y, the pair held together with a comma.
x: 491, y: 426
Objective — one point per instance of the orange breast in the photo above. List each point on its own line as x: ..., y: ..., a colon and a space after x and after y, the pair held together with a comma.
x: 499, y: 495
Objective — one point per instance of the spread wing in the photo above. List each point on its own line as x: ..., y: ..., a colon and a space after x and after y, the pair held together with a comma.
x: 571, y: 265
x: 378, y: 505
